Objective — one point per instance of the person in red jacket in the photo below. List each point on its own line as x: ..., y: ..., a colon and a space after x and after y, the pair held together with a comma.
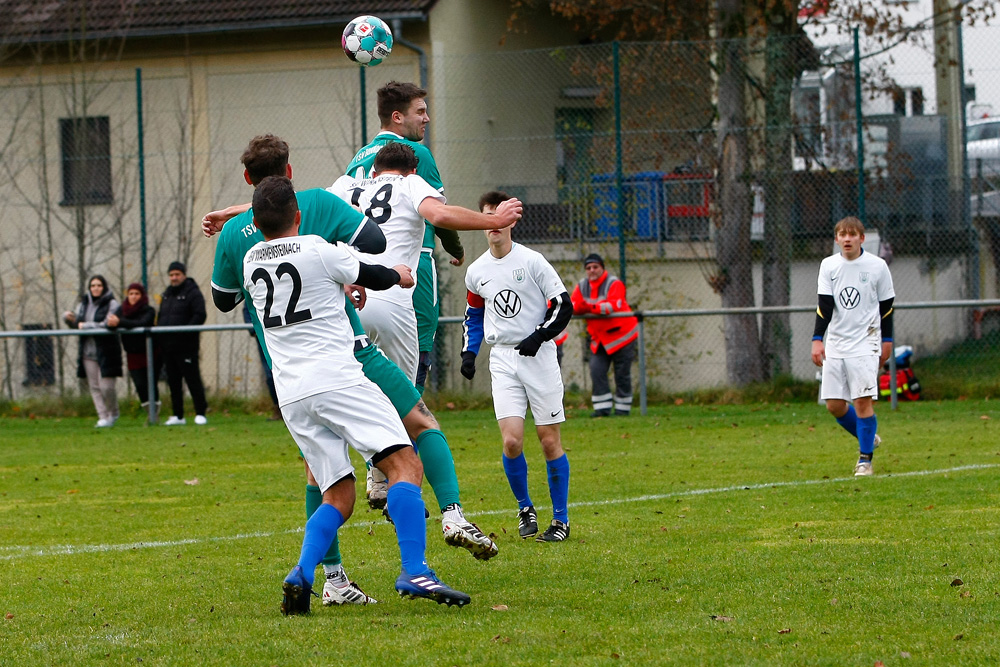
x: 612, y: 340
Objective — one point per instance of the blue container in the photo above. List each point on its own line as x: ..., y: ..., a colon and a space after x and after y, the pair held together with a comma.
x: 643, y: 199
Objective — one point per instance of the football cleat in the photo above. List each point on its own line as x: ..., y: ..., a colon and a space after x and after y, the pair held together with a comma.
x: 430, y: 587
x: 863, y: 469
x: 878, y: 441
x: 527, y: 522
x: 350, y: 594
x: 376, y: 488
x: 467, y: 535
x: 556, y: 532
x: 296, y: 592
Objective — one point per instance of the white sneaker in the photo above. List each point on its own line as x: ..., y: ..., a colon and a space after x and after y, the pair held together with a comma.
x: 350, y: 594
x: 376, y: 488
x: 863, y: 469
x: 174, y: 420
x: 104, y: 423
x: 200, y: 420
x: 465, y: 534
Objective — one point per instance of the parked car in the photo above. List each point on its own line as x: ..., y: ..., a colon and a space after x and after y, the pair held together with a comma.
x: 983, y: 143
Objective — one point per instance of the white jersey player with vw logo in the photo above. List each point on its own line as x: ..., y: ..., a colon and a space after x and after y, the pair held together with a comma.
x: 399, y: 200
x: 517, y: 303
x: 855, y: 296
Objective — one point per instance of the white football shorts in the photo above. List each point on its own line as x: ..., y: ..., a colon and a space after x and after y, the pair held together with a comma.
x: 324, y: 424
x: 850, y: 378
x: 518, y: 382
x: 393, y: 327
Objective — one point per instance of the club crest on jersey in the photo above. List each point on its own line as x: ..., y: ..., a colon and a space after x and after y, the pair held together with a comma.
x: 850, y: 297
x: 864, y: 276
x: 519, y: 275
x: 507, y: 304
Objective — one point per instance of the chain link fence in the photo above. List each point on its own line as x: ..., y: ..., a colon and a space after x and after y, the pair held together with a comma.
x: 629, y: 150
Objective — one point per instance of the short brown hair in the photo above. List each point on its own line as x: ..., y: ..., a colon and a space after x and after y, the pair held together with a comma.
x: 396, y: 96
x: 493, y: 198
x: 274, y: 205
x: 849, y: 224
x: 395, y: 156
x: 265, y: 155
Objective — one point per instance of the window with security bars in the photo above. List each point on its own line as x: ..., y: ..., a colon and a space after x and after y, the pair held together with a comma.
x: 86, y: 160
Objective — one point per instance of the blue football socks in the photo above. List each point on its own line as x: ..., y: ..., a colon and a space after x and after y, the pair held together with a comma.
x: 559, y: 487
x: 866, y: 436
x: 849, y: 421
x: 321, y: 528
x: 517, y: 476
x: 406, y: 507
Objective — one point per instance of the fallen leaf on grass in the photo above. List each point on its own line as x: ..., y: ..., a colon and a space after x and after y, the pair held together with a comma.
x: 68, y: 491
x: 879, y: 663
x: 785, y: 631
x: 9, y: 616
x: 192, y: 482
x: 904, y: 654
x: 502, y: 640
x: 957, y: 582
x: 984, y: 417
x: 722, y: 619
x: 966, y: 594
x: 615, y: 656
x: 959, y: 636
x: 678, y: 401
x: 499, y: 607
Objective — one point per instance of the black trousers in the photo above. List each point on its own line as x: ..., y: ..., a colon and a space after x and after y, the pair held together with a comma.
x: 141, y: 382
x: 600, y: 363
x: 182, y: 367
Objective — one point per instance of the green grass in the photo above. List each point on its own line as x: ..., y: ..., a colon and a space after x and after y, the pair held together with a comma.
x: 700, y: 535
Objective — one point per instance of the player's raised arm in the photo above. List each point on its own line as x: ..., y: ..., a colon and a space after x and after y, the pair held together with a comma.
x: 213, y: 222
x: 458, y: 218
x: 378, y: 277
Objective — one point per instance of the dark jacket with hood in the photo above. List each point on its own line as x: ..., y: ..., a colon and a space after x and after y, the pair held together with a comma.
x: 181, y: 305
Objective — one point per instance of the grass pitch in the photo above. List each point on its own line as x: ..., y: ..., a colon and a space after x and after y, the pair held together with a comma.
x: 700, y: 535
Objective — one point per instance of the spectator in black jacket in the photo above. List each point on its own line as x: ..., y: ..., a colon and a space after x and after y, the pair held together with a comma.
x: 183, y: 304
x: 136, y: 313
x: 100, y: 358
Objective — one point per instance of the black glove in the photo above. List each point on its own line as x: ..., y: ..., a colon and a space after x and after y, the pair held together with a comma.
x: 468, y: 364
x: 529, y: 346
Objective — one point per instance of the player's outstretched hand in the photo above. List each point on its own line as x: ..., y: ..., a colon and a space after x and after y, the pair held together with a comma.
x: 213, y: 223
x: 529, y: 346
x: 469, y: 364
x: 357, y: 295
x: 818, y: 352
x: 509, y: 212
x: 405, y: 276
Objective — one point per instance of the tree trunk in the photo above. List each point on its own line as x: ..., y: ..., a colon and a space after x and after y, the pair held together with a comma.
x: 734, y: 280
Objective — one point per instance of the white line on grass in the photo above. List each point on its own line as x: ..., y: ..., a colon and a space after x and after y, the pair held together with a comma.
x: 18, y: 551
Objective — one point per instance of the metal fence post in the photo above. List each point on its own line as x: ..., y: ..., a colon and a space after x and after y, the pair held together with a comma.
x: 642, y: 363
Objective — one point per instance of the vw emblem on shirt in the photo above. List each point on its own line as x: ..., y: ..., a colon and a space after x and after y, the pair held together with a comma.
x: 507, y: 304
x: 519, y: 275
x: 850, y: 298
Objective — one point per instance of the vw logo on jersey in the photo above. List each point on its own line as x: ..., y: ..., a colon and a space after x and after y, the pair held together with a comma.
x: 507, y: 304
x: 519, y: 275
x: 850, y: 298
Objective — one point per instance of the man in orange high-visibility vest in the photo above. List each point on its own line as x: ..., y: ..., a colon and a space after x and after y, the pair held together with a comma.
x: 612, y: 340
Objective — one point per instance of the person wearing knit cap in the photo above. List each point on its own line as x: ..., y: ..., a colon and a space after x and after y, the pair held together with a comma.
x: 612, y: 339
x: 136, y: 313
x: 182, y: 305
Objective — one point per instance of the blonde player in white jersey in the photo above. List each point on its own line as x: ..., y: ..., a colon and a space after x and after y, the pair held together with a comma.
x: 855, y: 313
x: 517, y: 303
x: 399, y: 201
x: 296, y: 284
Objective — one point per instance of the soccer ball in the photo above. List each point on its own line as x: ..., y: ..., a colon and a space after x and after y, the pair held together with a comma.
x: 367, y: 40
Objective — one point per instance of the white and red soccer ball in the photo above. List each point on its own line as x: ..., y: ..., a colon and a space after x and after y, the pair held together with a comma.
x: 367, y: 40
